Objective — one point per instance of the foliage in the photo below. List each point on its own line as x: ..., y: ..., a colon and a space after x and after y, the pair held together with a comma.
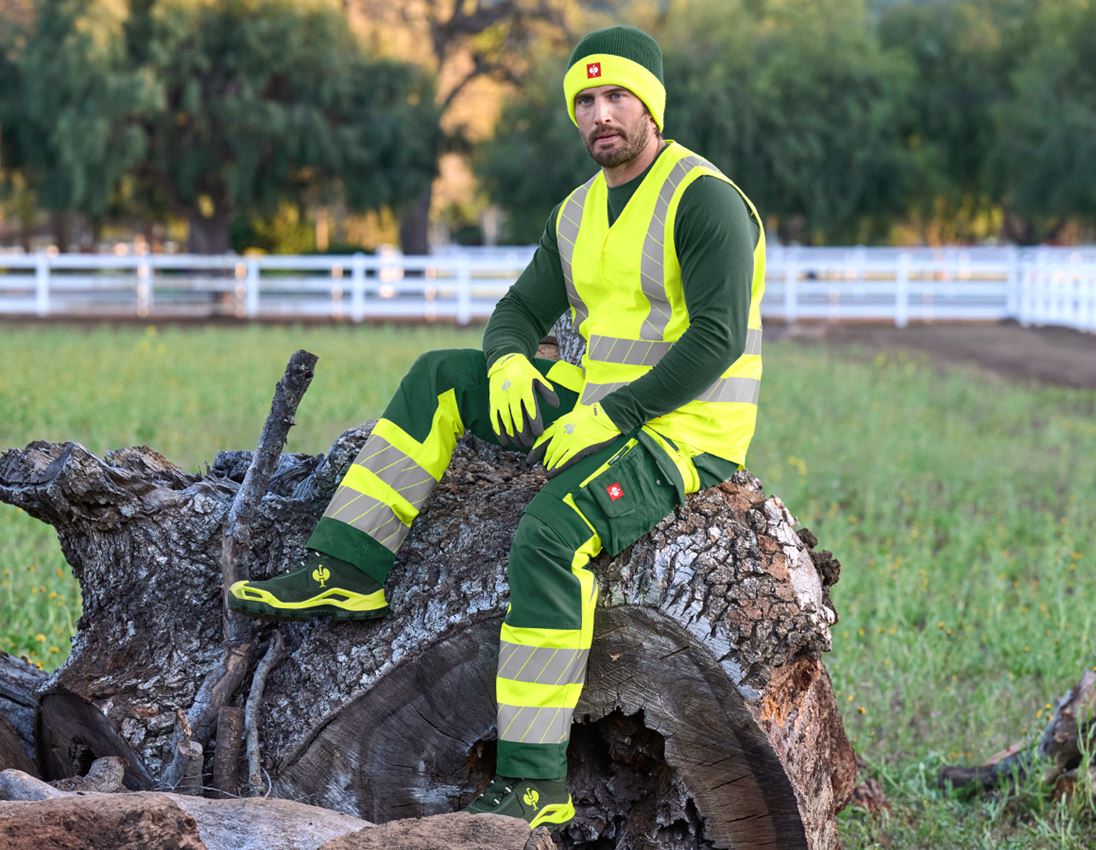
x: 535, y: 158
x: 71, y: 109
x: 206, y: 110
x: 1041, y: 163
x: 269, y: 101
x: 959, y: 504
x: 798, y: 103
x: 963, y: 52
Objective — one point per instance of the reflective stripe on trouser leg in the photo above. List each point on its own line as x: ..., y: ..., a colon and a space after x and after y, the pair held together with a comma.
x: 406, y: 454
x: 444, y: 394
x: 540, y: 677
x: 545, y: 640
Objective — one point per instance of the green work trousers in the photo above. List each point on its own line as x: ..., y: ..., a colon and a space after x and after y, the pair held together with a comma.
x: 605, y: 501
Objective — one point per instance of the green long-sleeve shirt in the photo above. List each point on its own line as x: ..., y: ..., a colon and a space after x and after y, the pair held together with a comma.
x: 715, y: 237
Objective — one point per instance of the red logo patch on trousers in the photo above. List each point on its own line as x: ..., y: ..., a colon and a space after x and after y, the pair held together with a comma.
x: 615, y: 491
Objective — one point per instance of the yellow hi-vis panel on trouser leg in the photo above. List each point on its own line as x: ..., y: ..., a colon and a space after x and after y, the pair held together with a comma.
x: 394, y: 474
x: 541, y: 671
x: 434, y: 453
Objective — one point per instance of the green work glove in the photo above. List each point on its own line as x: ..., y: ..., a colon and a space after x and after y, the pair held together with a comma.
x: 574, y: 435
x: 515, y: 413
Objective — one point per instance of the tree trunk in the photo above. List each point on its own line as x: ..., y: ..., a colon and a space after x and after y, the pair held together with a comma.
x: 708, y: 719
x: 207, y: 235
x: 60, y: 224
x: 415, y: 225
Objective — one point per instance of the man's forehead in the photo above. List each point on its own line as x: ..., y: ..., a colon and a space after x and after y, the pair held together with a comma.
x: 596, y: 90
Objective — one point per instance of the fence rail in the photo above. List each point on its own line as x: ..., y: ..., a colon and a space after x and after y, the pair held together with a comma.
x: 1052, y: 286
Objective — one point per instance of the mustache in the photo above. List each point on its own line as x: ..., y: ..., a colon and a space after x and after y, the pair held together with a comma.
x: 601, y: 134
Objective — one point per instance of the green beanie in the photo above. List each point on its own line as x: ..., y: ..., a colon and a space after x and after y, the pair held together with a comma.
x: 618, y: 56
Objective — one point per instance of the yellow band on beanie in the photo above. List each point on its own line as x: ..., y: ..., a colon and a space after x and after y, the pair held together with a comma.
x: 606, y: 69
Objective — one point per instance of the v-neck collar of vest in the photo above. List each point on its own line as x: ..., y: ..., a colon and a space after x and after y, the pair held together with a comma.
x: 642, y: 178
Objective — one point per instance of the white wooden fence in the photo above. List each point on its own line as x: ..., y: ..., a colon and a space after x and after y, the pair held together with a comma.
x: 1052, y: 286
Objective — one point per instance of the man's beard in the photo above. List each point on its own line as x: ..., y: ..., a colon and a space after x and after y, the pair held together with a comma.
x: 634, y: 141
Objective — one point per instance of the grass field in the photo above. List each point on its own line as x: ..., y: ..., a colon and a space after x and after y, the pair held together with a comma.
x: 961, y: 506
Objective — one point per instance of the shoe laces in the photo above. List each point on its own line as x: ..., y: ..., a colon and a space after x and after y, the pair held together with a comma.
x: 499, y: 787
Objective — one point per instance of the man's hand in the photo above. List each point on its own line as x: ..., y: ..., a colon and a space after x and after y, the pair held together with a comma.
x: 573, y: 436
x: 515, y: 412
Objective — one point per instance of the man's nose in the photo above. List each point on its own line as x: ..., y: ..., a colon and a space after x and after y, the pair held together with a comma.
x: 601, y: 110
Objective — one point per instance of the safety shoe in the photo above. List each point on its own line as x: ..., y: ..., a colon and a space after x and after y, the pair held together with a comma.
x: 540, y: 802
x: 321, y: 587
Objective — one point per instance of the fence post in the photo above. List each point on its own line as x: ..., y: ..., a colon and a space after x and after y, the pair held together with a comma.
x: 791, y: 282
x: 902, y: 291
x: 464, y: 291
x: 144, y: 287
x: 1012, y: 285
x: 251, y: 299
x: 357, y: 287
x: 41, y: 284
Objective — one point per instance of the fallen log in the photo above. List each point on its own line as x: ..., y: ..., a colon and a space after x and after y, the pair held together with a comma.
x: 1057, y: 756
x: 708, y: 719
x: 98, y: 821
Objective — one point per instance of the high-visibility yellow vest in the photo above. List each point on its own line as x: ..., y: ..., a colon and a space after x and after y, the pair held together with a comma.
x: 627, y: 302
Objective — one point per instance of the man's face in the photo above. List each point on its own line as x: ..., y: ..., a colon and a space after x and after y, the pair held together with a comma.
x: 614, y: 124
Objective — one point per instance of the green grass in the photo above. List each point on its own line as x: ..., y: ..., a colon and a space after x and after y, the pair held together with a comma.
x: 960, y: 505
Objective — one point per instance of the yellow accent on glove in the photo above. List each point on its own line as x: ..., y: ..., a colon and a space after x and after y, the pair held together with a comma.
x: 573, y: 436
x: 515, y: 412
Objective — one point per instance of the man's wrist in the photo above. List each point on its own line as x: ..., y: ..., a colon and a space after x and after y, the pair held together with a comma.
x: 617, y: 410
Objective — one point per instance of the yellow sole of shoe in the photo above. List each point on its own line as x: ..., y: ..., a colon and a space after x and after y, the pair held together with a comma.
x: 334, y: 602
x: 554, y: 816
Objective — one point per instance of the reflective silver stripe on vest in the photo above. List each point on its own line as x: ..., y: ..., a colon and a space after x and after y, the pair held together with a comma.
x: 596, y: 392
x: 753, y: 341
x: 540, y: 664
x: 741, y: 390
x: 525, y: 725
x: 652, y: 266
x: 368, y: 515
x: 644, y: 352
x: 397, y: 470
x: 628, y: 352
x: 570, y: 219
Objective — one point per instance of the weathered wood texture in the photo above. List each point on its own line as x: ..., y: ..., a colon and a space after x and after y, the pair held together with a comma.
x: 19, y: 683
x: 43, y: 817
x: 708, y: 720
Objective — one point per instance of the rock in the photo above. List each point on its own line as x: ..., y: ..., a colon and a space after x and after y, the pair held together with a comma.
x: 446, y: 832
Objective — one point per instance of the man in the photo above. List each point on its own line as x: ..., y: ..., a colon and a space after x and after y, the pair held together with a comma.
x: 661, y: 261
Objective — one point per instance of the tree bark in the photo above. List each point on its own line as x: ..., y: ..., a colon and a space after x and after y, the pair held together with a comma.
x: 708, y: 718
x: 19, y: 683
x: 207, y: 235
x: 415, y: 225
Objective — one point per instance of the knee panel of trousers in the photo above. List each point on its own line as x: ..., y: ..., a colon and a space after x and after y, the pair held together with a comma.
x: 544, y: 592
x: 449, y: 367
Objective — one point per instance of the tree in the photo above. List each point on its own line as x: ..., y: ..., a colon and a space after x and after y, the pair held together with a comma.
x: 268, y: 101
x: 535, y: 156
x: 459, y: 43
x: 71, y: 120
x: 796, y: 102
x: 1044, y: 138
x: 964, y: 52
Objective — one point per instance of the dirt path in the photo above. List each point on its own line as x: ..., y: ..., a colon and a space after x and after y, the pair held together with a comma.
x: 1047, y: 355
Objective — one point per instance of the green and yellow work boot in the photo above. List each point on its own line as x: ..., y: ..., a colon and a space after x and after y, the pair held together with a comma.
x: 541, y: 802
x: 321, y: 587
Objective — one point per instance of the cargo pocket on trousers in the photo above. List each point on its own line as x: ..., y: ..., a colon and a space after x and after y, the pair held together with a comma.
x: 626, y: 499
